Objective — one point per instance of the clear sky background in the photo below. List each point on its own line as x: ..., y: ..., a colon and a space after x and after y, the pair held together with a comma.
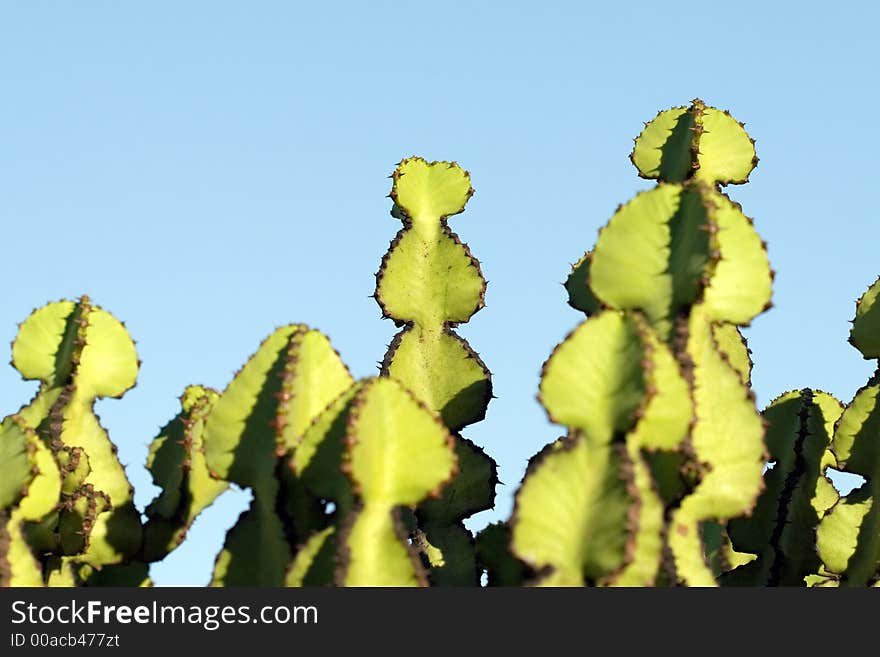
x: 208, y: 171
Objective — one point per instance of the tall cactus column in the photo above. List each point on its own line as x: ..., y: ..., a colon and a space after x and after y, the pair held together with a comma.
x: 79, y: 353
x: 663, y: 432
x: 848, y: 537
x: 428, y: 284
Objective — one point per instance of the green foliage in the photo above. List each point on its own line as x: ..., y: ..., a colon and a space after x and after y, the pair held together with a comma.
x: 660, y: 479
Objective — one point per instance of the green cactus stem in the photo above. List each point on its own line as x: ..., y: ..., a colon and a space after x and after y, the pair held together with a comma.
x: 29, y: 493
x: 398, y: 453
x: 429, y: 283
x: 848, y: 538
x: 80, y: 353
x: 587, y: 511
x: 177, y: 462
x: 249, y: 437
x: 781, y: 531
x: 654, y: 385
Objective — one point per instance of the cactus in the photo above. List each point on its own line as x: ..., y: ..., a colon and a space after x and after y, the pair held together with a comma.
x: 428, y: 283
x: 177, y: 462
x: 249, y: 437
x: 663, y: 438
x: 659, y: 478
x: 92, y: 529
x: 395, y: 453
x: 848, y: 538
x: 30, y: 491
x: 781, y: 531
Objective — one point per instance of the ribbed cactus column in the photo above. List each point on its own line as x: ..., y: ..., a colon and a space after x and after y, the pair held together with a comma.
x: 429, y: 283
x: 777, y: 540
x: 250, y: 436
x: 85, y: 526
x: 177, y: 462
x: 848, y: 537
x: 395, y: 453
x: 663, y: 433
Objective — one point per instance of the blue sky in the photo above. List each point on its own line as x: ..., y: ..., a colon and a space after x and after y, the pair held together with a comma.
x: 207, y: 171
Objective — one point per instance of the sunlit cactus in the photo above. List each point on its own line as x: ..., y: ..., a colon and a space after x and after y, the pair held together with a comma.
x: 429, y: 283
x: 665, y: 473
x: 664, y: 437
x: 79, y: 518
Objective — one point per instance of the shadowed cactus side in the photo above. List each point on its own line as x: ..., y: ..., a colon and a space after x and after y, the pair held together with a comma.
x: 663, y: 436
x: 429, y: 283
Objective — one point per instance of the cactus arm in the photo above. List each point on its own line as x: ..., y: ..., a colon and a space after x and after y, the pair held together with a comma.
x: 570, y: 515
x: 116, y: 534
x: 664, y: 267
x: 849, y: 534
x: 663, y: 150
x: 32, y: 486
x: 314, y: 376
x: 16, y: 462
x: 429, y: 281
x: 612, y: 380
x: 237, y: 442
x: 593, y: 380
x: 398, y: 453
x: 679, y: 405
x: 695, y: 142
x: 740, y: 284
x: 727, y: 437
x: 727, y: 153
x: 249, y: 437
x: 81, y: 353
x: 177, y: 463
x: 461, y: 395
x: 442, y: 519
x: 319, y: 458
x: 429, y: 277
x: 781, y: 531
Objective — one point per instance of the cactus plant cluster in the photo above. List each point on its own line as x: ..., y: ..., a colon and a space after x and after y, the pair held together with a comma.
x: 666, y: 472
